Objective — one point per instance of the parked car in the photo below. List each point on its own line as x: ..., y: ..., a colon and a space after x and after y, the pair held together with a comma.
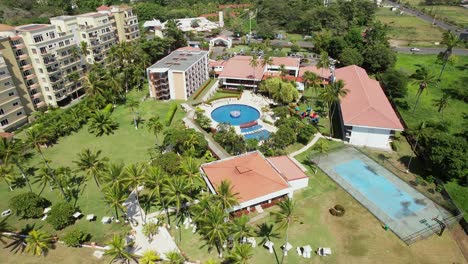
x: 415, y: 49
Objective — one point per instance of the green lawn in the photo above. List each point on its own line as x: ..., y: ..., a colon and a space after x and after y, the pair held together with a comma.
x: 454, y: 14
x: 221, y: 94
x: 460, y: 195
x: 126, y: 144
x: 407, y: 30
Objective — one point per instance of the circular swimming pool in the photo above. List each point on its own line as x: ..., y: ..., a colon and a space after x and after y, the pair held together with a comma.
x: 235, y: 114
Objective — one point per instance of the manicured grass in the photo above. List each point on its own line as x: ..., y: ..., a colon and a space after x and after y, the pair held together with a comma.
x: 454, y: 113
x: 221, y: 94
x: 125, y: 145
x: 294, y: 37
x: 456, y: 14
x: 407, y: 30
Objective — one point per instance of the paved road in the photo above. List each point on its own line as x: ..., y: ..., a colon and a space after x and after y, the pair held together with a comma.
x: 421, y: 15
x: 463, y: 52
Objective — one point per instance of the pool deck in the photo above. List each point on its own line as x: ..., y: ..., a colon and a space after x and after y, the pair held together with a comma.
x: 404, y: 226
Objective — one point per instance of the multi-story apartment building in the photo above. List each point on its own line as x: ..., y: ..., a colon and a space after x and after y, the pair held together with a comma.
x: 123, y: 20
x: 56, y: 62
x: 95, y: 29
x: 178, y: 75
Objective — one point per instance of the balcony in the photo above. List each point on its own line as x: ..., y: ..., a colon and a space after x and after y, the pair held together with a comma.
x: 63, y: 96
x: 4, y: 77
x: 26, y: 67
x: 23, y: 56
x: 30, y: 76
x: 34, y: 86
x: 40, y: 104
x: 36, y: 95
x: 19, y: 46
x: 47, y: 63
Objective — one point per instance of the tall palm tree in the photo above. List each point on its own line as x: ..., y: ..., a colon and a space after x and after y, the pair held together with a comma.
x: 254, y: 63
x: 101, y: 123
x: 241, y: 254
x: 442, y: 103
x: 155, y: 179
x: 12, y: 150
x: 37, y: 137
x: 134, y: 175
x: 114, y: 81
x: 4, y: 228
x: 155, y: 126
x: 322, y: 148
x: 267, y: 61
x: 267, y: 232
x: 423, y: 79
x: 323, y: 61
x: 332, y: 95
x: 419, y: 131
x: 94, y: 84
x: 285, y: 217
x: 226, y: 195
x: 240, y: 228
x: 177, y: 190
x: 115, y: 196
x: 149, y: 257
x: 117, y: 250
x: 133, y: 105
x: 84, y: 49
x: 214, y: 229
x: 113, y: 174
x: 38, y: 242
x: 43, y: 178
x: 450, y: 40
x: 190, y: 168
x: 282, y: 70
x: 6, y: 174
x: 91, y: 163
x: 311, y: 80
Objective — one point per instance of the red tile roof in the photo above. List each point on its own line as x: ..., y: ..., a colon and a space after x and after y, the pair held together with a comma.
x: 103, y: 8
x: 287, y: 168
x: 215, y: 63
x: 365, y: 104
x: 325, y: 73
x: 238, y: 67
x: 250, y: 175
x: 286, y: 61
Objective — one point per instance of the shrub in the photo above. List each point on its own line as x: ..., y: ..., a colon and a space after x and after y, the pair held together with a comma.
x: 61, y: 215
x: 28, y: 205
x: 200, y: 90
x: 170, y: 114
x: 75, y: 238
x: 340, y: 211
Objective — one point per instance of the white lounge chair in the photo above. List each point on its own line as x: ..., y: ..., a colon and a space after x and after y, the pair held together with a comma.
x: 269, y: 245
x: 90, y: 217
x: 44, y: 218
x: 324, y: 251
x: 252, y: 241
x: 6, y: 213
x: 106, y: 220
x: 286, y: 247
x: 46, y: 210
x: 77, y: 215
x: 307, y: 251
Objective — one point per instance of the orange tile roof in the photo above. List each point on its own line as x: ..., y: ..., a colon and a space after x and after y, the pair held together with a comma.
x: 250, y: 174
x: 239, y: 67
x: 286, y: 61
x: 325, y: 73
x: 365, y: 104
x: 214, y: 63
x: 103, y: 8
x: 287, y: 168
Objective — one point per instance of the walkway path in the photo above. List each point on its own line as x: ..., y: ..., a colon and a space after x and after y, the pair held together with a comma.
x: 306, y: 147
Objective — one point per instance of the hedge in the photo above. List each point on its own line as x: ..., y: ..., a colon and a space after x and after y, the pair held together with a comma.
x: 231, y: 91
x: 75, y: 238
x: 224, y: 97
x: 170, y: 114
x: 61, y: 215
x: 28, y: 205
x: 200, y: 90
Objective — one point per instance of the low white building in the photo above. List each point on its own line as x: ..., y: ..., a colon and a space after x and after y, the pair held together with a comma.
x: 367, y: 115
x: 200, y: 24
x: 223, y: 40
x: 257, y: 180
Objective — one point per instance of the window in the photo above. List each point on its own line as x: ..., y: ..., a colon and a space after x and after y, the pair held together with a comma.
x: 34, y: 51
x: 52, y: 35
x: 83, y: 35
x: 49, y: 97
x: 1, y: 111
x: 41, y: 70
x: 46, y: 88
x: 38, y: 38
x: 30, y: 82
x: 4, y: 122
x: 43, y: 50
x: 67, y: 42
x: 6, y: 84
x: 15, y: 103
x: 36, y: 101
x: 11, y: 93
x: 61, y: 44
x: 19, y: 113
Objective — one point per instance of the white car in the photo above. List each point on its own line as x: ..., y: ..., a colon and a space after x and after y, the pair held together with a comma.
x: 414, y: 49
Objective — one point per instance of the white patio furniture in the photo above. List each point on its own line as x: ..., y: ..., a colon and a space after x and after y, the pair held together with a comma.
x: 299, y: 251
x: 44, y: 218
x: 269, y: 245
x: 252, y: 241
x: 286, y: 247
x: 77, y: 215
x: 106, y: 220
x: 90, y: 217
x: 259, y: 209
x: 98, y: 254
x: 46, y: 210
x: 324, y: 251
x: 194, y: 229
x: 307, y: 251
x: 6, y: 213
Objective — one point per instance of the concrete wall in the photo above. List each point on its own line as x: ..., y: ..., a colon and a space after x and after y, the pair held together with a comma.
x: 299, y: 183
x: 370, y: 137
x: 179, y: 86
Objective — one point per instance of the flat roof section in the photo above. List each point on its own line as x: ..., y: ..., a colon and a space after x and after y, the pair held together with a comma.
x: 179, y: 60
x: 32, y: 27
x: 287, y: 168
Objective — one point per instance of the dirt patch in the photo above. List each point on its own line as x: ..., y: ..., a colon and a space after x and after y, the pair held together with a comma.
x: 461, y: 239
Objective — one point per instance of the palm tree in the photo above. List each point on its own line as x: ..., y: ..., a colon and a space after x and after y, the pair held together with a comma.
x: 149, y: 257
x: 12, y: 150
x: 94, y: 84
x: 419, y: 132
x: 115, y: 196
x: 190, y: 168
x: 155, y: 179
x: 176, y: 190
x: 84, y: 50
x: 174, y: 257
x: 4, y: 228
x: 285, y: 217
x: 423, y: 78
x: 267, y: 232
x: 240, y: 228
x: 38, y: 242
x: 114, y: 80
x: 332, y: 95
x: 282, y: 70
x: 450, y: 40
x: 322, y: 148
x: 6, y: 174
x: 133, y: 105
x: 92, y: 164
x: 117, y: 249
x: 113, y: 174
x: 442, y: 103
x: 101, y: 123
x: 43, y: 178
x: 323, y: 61
x: 155, y: 126
x: 134, y: 174
x: 311, y: 79
x: 240, y: 254
x: 254, y: 63
x: 267, y: 60
x: 214, y: 229
x: 226, y: 195
x: 37, y: 137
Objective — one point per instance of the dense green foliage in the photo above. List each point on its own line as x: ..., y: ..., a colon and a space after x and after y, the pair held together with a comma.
x: 227, y: 137
x: 185, y: 141
x: 395, y: 83
x: 75, y: 237
x: 28, y: 205
x: 61, y: 215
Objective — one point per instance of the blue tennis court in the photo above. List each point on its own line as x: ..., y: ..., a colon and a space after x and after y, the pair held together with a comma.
x: 396, y: 204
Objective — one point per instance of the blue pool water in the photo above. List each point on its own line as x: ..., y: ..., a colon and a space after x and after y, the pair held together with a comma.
x: 222, y: 114
x: 260, y: 135
x: 251, y: 129
x: 379, y: 190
